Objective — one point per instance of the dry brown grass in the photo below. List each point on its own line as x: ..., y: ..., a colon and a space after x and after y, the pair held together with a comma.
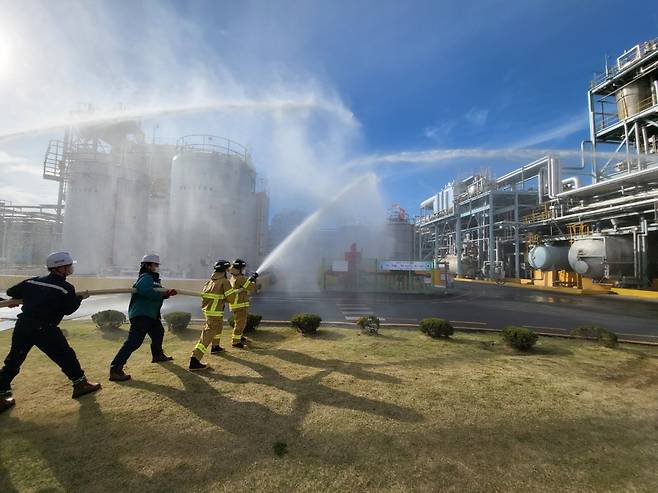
x: 398, y: 412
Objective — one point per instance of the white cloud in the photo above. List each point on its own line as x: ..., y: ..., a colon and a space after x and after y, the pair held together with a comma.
x: 19, y: 196
x: 440, y: 131
x: 563, y: 129
x: 477, y: 117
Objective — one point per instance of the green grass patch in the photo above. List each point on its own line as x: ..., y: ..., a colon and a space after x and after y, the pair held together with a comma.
x: 391, y: 413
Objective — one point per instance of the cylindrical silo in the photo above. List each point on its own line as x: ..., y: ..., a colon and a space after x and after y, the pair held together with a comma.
x: 89, y: 212
x: 600, y: 257
x: 212, y: 210
x: 547, y: 257
x: 131, y: 213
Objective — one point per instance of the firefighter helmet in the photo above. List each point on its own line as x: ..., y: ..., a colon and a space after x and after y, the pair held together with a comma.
x: 222, y: 265
x: 239, y: 264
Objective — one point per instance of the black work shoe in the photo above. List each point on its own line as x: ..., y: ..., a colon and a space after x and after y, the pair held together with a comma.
x: 243, y: 340
x: 6, y: 401
x: 83, y: 387
x: 195, y: 364
x: 238, y: 345
x: 160, y: 358
x: 118, y: 375
x: 216, y: 349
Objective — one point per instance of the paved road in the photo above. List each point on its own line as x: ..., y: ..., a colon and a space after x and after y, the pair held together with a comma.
x: 469, y: 305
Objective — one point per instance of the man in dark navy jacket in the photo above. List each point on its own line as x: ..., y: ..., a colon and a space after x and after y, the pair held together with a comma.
x: 45, y: 302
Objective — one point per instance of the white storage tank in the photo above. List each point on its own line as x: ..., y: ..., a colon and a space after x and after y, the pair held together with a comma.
x: 131, y: 213
x: 601, y: 257
x: 548, y: 257
x: 89, y: 212
x: 212, y: 210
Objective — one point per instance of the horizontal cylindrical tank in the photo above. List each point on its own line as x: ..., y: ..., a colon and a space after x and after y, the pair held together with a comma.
x: 548, y: 257
x: 600, y: 257
x: 630, y: 99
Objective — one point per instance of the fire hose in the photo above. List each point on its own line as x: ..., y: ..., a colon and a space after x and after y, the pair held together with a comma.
x: 98, y: 292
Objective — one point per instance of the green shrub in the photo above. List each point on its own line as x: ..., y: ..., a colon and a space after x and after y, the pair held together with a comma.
x: 108, y: 319
x: 177, y: 320
x: 253, y: 321
x: 436, y: 327
x: 369, y: 325
x: 306, y: 323
x: 519, y: 337
x: 603, y: 336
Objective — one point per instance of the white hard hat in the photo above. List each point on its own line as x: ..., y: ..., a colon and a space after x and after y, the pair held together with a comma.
x: 58, y: 259
x: 151, y: 258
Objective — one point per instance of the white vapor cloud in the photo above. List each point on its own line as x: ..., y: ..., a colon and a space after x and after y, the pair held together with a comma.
x: 477, y: 117
x: 568, y: 127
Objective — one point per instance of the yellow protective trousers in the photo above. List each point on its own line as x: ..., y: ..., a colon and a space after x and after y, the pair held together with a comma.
x: 240, y: 321
x: 209, y: 337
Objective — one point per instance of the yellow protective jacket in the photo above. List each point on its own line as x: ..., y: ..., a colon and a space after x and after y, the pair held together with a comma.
x: 242, y: 289
x: 215, y: 292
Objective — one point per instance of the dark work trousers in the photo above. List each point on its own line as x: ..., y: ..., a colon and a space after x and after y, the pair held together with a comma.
x: 139, y: 327
x: 50, y: 340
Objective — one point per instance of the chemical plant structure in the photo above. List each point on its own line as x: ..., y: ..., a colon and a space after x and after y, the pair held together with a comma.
x: 120, y: 197
x: 590, y: 226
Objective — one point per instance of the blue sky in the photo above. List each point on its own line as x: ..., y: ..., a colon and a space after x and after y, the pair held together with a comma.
x: 415, y: 76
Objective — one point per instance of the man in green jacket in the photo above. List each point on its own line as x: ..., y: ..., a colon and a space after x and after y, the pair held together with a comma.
x: 144, y: 315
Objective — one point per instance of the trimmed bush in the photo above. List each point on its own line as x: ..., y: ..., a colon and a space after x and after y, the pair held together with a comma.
x: 306, y: 323
x: 436, y: 327
x: 177, y: 321
x: 369, y: 325
x: 109, y: 319
x: 519, y: 338
x: 253, y: 321
x: 592, y: 332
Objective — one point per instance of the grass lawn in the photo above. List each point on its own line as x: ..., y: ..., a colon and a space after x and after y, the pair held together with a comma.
x: 338, y: 412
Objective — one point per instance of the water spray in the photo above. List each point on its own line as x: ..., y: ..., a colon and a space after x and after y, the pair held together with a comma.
x: 310, y: 220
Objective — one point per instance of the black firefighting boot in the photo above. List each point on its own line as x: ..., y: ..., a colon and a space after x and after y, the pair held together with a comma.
x: 243, y: 340
x: 216, y: 349
x: 82, y: 387
x: 238, y: 344
x: 195, y: 364
x: 161, y: 357
x: 118, y: 375
x: 6, y: 401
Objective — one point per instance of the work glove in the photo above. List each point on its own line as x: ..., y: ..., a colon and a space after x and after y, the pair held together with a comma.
x: 172, y: 292
x: 84, y: 295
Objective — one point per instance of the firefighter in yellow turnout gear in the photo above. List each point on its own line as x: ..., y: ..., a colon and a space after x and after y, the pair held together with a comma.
x: 213, y: 297
x: 239, y: 299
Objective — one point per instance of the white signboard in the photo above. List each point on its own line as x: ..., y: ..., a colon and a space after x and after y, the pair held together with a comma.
x: 406, y: 265
x: 339, y: 266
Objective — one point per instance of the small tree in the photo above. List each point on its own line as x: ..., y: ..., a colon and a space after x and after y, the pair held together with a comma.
x: 108, y: 319
x: 306, y: 323
x: 604, y: 337
x: 519, y: 338
x: 369, y: 325
x: 177, y: 321
x: 253, y: 321
x: 436, y: 327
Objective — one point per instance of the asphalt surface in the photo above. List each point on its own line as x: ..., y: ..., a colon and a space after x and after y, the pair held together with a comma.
x: 467, y: 306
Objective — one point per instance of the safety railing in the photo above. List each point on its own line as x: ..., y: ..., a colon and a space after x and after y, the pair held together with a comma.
x: 606, y: 118
x: 212, y: 144
x: 538, y: 215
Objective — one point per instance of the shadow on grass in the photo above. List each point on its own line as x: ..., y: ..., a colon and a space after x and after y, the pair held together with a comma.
x: 310, y: 390
x: 356, y: 370
x: 190, y: 334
